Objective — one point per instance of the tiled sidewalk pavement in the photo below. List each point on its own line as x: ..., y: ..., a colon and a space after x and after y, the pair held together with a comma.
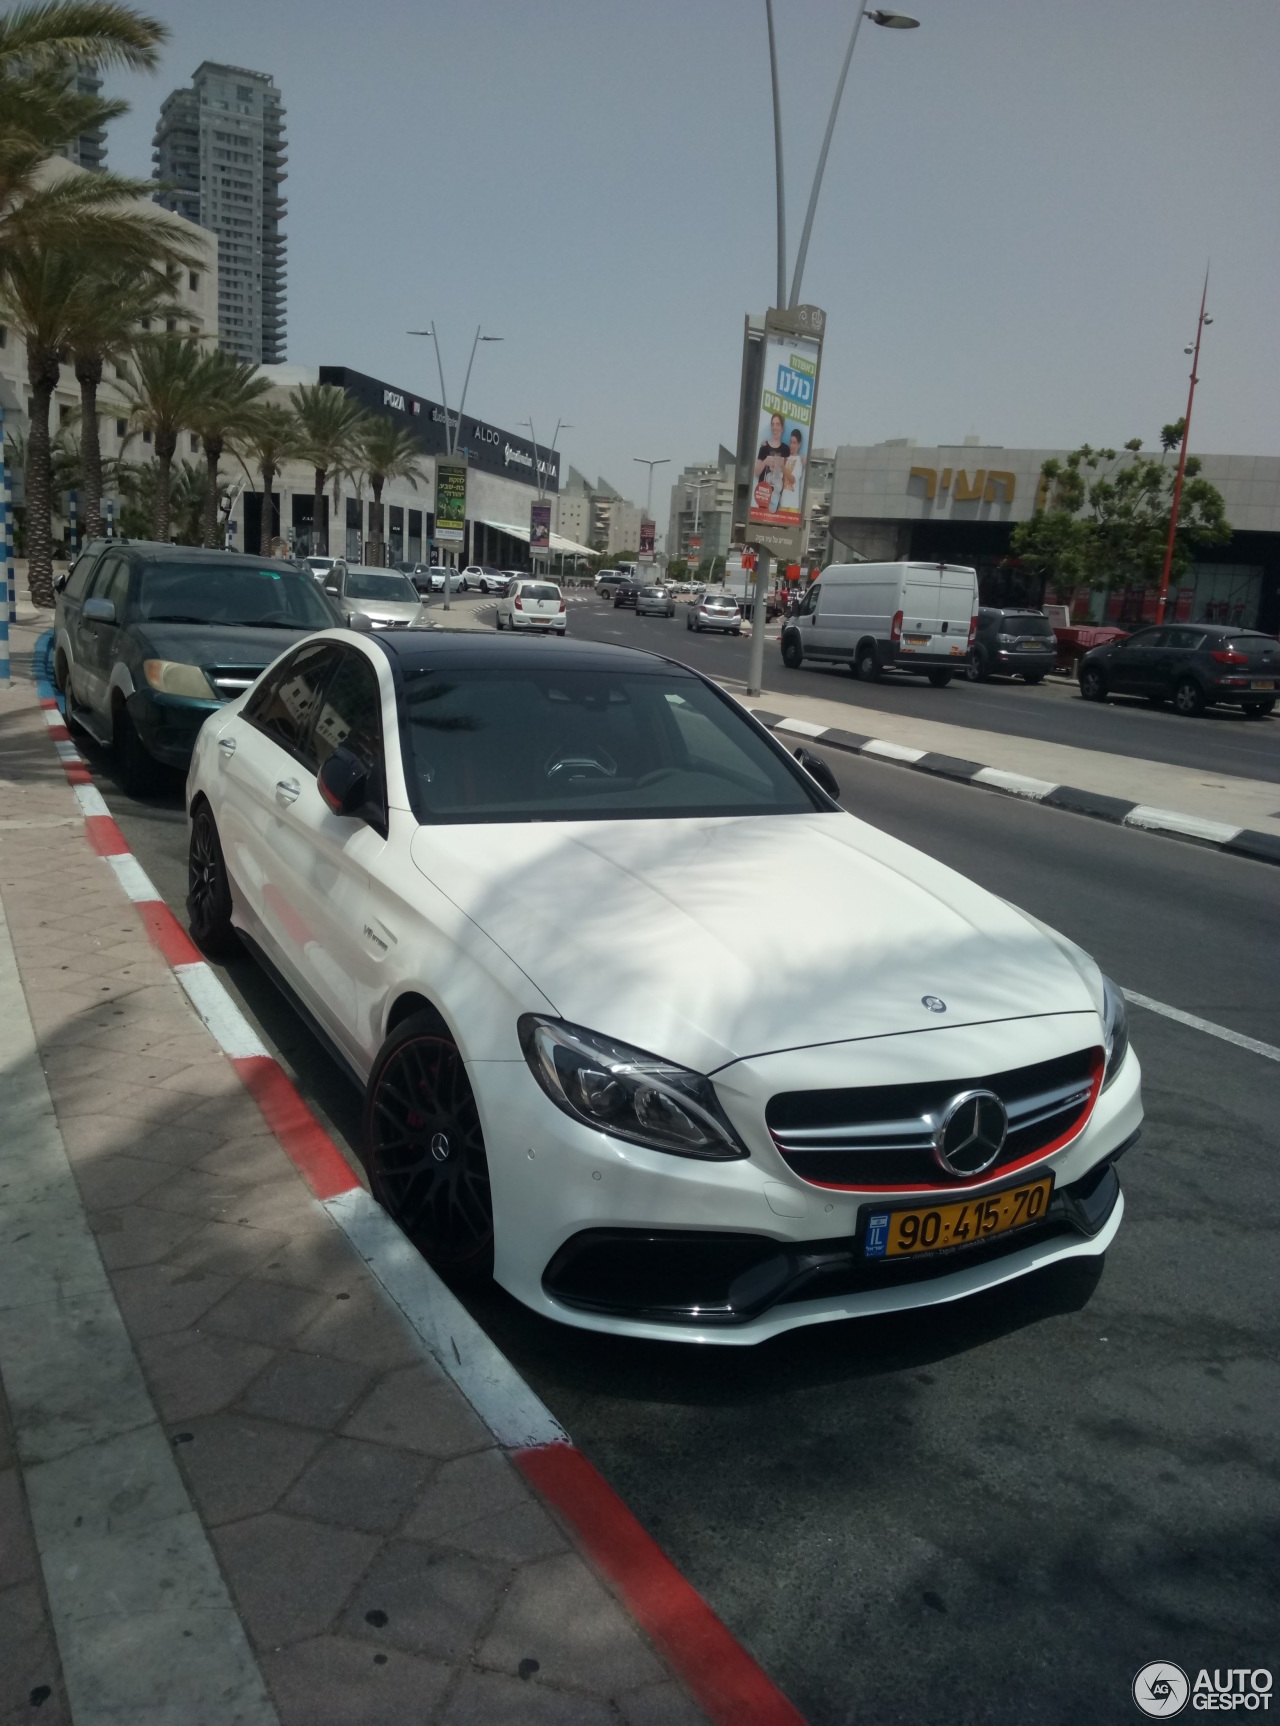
x: 386, y: 1559
x: 30, y: 1673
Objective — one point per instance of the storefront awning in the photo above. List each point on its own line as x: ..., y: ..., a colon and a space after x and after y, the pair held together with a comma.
x: 558, y: 542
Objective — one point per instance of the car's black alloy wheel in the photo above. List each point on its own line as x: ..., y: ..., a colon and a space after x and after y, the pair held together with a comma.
x: 792, y: 650
x: 976, y: 665
x: 136, y: 768
x: 208, y: 890
x: 424, y: 1149
x: 867, y: 666
x: 1093, y: 683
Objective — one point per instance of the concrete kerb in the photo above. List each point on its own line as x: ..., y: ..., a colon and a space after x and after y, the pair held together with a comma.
x: 720, y: 1674
x: 1195, y: 829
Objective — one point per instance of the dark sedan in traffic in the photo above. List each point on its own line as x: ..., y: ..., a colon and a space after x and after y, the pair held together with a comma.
x: 1193, y: 665
x: 150, y: 639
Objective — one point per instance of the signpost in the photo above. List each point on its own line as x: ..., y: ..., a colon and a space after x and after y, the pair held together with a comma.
x: 539, y: 532
x: 647, y: 536
x: 777, y: 407
x: 451, y: 508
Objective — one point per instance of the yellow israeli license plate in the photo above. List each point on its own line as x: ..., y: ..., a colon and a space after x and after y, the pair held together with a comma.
x: 946, y: 1228
x: 915, y: 641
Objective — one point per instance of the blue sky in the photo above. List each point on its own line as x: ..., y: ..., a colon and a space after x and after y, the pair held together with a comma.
x: 1018, y: 207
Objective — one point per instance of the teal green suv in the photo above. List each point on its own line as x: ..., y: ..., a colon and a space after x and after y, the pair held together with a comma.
x: 150, y: 639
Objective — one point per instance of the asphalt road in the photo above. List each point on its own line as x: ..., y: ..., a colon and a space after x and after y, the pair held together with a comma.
x: 1221, y: 741
x: 992, y: 1514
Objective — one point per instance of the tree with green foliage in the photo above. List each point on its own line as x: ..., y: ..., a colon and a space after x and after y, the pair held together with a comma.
x: 228, y: 394
x: 1103, y: 518
x: 331, y: 427
x: 163, y: 389
x: 390, y: 452
x: 271, y: 437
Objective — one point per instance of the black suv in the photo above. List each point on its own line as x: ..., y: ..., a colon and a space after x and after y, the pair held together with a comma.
x: 625, y: 593
x: 1013, y: 642
x: 149, y: 639
x: 1193, y: 665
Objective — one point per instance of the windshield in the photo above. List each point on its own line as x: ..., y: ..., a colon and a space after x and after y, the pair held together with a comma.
x: 397, y: 588
x: 1023, y: 623
x: 232, y: 593
x: 530, y: 745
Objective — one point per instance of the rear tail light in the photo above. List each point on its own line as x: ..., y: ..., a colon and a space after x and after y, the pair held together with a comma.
x: 895, y: 628
x: 1229, y: 656
x: 973, y: 628
x: 562, y: 605
x: 519, y: 605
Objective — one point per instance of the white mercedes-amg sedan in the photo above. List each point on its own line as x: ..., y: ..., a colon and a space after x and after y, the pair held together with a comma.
x: 528, y: 895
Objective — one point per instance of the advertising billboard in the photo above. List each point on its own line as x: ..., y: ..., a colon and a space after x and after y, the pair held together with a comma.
x: 451, y: 501
x: 540, y: 530
x: 791, y: 355
x: 647, y: 533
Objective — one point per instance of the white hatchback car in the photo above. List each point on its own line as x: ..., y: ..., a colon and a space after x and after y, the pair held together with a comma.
x: 508, y: 882
x: 533, y: 605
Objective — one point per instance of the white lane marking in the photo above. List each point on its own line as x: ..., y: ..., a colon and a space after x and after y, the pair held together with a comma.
x: 133, y: 878
x: 892, y: 751
x: 508, y: 1407
x: 91, y: 800
x: 1020, y: 784
x: 232, y: 1032
x: 1206, y: 1025
x: 803, y: 727
x: 1193, y: 826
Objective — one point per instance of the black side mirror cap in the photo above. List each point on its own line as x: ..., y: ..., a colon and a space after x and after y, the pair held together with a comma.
x: 343, y: 782
x: 60, y: 584
x: 818, y: 771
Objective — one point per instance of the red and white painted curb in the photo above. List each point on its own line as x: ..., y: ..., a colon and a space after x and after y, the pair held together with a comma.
x: 724, y: 1679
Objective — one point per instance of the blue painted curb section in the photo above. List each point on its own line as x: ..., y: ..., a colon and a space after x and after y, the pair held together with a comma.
x: 42, y: 668
x: 1217, y: 835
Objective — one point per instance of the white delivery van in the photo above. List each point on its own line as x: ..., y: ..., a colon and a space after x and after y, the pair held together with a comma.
x: 916, y: 617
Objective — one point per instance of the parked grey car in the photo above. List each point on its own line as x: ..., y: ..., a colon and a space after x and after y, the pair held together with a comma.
x: 1194, y: 665
x: 1012, y: 641
x: 655, y: 602
x: 388, y: 599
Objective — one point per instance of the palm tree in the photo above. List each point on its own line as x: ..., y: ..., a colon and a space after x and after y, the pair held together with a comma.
x: 272, y: 436
x: 229, y: 391
x: 164, y: 392
x: 41, y: 48
x: 390, y: 452
x: 37, y: 300
x: 330, y: 424
x: 113, y: 301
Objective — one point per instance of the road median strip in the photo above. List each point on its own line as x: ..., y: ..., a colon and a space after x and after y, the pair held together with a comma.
x: 722, y: 1676
x: 1121, y: 812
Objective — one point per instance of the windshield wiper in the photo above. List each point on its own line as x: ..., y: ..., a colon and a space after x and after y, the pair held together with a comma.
x: 175, y: 617
x: 269, y: 623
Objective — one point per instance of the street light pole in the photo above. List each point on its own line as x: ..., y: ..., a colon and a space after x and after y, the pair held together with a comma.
x: 658, y: 461
x: 467, y: 379
x: 1182, y: 454
x: 777, y: 155
x: 887, y: 21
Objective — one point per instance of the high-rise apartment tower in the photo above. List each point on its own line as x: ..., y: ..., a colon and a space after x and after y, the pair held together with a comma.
x: 89, y: 150
x: 220, y: 149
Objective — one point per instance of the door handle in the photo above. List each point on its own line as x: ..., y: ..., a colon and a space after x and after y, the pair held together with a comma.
x: 227, y: 745
x: 287, y: 790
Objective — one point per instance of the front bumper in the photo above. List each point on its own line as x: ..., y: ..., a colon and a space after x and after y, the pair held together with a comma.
x: 169, y: 724
x: 741, y: 1251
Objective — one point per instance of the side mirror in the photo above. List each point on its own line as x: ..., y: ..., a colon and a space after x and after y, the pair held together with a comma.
x: 343, y: 781
x: 99, y: 611
x: 360, y: 623
x: 60, y: 584
x: 818, y: 771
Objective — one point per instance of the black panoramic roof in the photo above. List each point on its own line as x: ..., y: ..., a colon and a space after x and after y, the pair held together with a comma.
x: 416, y: 649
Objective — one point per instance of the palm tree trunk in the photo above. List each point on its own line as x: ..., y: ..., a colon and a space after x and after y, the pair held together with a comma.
x: 378, y: 552
x: 42, y: 374
x: 317, y: 516
x: 166, y: 444
x: 212, y: 457
x: 264, y: 535
x: 89, y: 377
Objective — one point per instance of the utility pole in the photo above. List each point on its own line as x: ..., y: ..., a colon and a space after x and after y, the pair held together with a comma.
x: 1194, y: 351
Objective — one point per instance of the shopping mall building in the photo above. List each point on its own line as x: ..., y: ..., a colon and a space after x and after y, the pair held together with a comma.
x: 959, y: 503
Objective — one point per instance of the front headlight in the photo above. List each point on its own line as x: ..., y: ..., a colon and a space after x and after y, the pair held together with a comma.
x: 626, y: 1092
x: 174, y: 677
x: 1115, y: 1029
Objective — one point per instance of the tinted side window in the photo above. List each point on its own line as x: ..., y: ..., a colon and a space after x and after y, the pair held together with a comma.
x: 1148, y: 638
x: 810, y: 601
x: 284, y: 703
x: 1185, y: 638
x: 111, y: 581
x: 78, y: 580
x: 350, y: 713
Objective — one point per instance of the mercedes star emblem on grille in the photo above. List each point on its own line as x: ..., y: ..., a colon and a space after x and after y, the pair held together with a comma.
x: 971, y: 1133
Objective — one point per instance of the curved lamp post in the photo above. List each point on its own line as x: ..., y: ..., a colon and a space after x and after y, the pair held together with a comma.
x: 1194, y: 350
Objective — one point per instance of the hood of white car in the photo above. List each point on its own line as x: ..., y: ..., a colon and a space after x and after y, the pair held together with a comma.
x: 705, y: 940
